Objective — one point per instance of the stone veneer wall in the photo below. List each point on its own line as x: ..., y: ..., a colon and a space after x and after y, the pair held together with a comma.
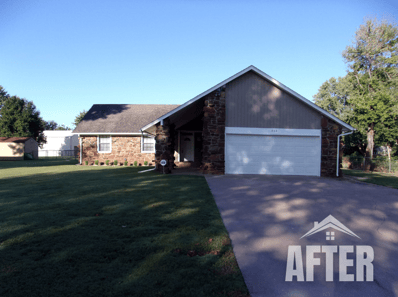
x: 124, y: 148
x: 164, y: 146
x: 213, y: 157
x: 330, y: 132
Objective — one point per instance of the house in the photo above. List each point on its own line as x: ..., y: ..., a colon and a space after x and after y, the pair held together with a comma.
x: 14, y: 148
x: 112, y: 132
x: 248, y: 124
x: 59, y: 143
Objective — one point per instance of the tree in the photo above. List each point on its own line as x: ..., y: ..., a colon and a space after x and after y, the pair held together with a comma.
x: 373, y: 72
x: 50, y: 125
x: 333, y: 97
x: 63, y: 127
x: 79, y: 118
x: 3, y: 96
x: 19, y: 118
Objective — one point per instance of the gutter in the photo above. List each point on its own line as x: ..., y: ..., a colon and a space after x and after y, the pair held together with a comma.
x: 338, y: 150
x: 105, y: 133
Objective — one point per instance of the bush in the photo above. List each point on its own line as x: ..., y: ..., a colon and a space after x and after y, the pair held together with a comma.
x: 146, y: 163
x: 380, y: 163
x: 125, y: 163
x: 135, y: 163
x: 115, y: 162
x: 96, y: 162
x: 86, y: 162
x: 107, y: 162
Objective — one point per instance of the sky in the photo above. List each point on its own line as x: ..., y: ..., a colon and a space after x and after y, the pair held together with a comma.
x: 66, y: 56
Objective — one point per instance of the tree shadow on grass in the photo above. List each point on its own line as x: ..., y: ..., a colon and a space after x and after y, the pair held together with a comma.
x: 36, y: 163
x: 111, y: 232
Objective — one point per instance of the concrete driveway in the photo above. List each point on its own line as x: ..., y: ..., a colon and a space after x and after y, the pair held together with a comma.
x: 266, y: 214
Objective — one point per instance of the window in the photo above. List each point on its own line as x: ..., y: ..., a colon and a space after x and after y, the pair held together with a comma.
x: 104, y: 144
x: 147, y: 144
x: 329, y: 235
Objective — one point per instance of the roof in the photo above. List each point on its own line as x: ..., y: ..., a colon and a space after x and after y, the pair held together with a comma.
x: 120, y: 118
x: 265, y: 76
x: 15, y: 139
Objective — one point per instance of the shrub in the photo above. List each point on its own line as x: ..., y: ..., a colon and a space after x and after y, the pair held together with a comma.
x: 86, y: 162
x: 115, y: 162
x: 135, y: 163
x: 381, y: 164
x: 107, y: 162
x: 146, y: 163
x: 125, y: 163
x: 96, y: 162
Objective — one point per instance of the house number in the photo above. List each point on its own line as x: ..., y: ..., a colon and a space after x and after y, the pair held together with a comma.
x: 274, y: 131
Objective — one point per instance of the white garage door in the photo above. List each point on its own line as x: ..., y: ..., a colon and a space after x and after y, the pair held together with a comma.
x: 275, y: 155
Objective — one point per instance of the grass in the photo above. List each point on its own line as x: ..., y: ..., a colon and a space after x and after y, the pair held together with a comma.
x: 68, y: 230
x: 378, y: 178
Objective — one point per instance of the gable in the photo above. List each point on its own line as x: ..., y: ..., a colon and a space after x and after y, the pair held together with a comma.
x: 306, y: 105
x: 252, y: 101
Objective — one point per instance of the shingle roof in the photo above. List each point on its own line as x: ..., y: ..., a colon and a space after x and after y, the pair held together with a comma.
x: 120, y: 118
x: 14, y: 139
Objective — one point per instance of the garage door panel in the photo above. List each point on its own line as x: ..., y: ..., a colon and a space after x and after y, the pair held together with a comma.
x: 279, y: 155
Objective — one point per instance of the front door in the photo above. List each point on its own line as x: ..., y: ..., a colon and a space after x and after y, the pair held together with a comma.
x: 187, y: 147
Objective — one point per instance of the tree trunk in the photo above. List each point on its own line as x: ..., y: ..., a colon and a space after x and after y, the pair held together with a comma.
x: 389, y: 158
x: 369, y: 148
x: 370, y: 138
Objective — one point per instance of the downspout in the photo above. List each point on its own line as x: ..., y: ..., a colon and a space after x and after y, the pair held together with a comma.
x: 81, y: 148
x: 338, y: 150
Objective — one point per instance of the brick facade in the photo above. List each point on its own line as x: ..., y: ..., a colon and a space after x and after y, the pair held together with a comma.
x: 213, y: 155
x: 330, y: 132
x: 124, y: 148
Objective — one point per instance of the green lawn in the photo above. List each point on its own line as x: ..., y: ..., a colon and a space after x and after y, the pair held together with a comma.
x: 378, y: 178
x: 68, y: 230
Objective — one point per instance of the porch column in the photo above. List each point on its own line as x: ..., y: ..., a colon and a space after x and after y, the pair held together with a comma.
x: 330, y: 132
x: 164, y: 147
x: 213, y: 159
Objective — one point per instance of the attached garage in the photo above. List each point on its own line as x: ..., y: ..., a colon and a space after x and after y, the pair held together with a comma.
x: 251, y: 123
x: 273, y: 151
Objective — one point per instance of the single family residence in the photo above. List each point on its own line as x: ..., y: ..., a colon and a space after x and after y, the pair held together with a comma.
x: 247, y: 124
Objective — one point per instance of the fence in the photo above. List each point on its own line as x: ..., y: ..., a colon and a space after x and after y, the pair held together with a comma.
x: 59, y: 154
x: 379, y: 163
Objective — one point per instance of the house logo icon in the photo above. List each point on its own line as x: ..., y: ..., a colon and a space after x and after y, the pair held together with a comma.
x: 329, y: 222
x: 342, y: 255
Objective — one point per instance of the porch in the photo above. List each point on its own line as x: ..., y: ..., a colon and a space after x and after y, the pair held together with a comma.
x: 192, y: 136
